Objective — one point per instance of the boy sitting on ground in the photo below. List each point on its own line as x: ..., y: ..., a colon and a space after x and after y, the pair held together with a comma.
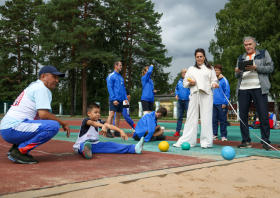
x: 88, y: 139
x: 147, y: 126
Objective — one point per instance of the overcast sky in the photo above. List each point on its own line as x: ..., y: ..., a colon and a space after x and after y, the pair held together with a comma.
x: 186, y: 26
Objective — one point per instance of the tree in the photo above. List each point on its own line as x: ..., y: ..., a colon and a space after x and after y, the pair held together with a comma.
x: 174, y: 84
x: 135, y: 33
x: 257, y: 18
x: 17, y: 46
x: 71, y: 43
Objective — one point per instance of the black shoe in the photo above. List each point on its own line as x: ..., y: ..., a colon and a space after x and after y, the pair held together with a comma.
x: 160, y: 137
x: 137, y: 138
x: 12, y: 148
x: 265, y: 147
x: 18, y: 157
x: 109, y: 134
x: 117, y: 134
x: 153, y: 138
x: 245, y: 145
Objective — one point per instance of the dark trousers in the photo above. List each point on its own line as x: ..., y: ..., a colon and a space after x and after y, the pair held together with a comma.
x: 183, y: 105
x: 220, y: 114
x: 261, y: 103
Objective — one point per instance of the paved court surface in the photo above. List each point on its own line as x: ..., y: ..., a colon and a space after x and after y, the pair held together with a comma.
x: 60, y: 165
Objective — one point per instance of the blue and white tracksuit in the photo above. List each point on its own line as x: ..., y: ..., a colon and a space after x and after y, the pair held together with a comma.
x: 147, y: 123
x: 116, y: 88
x: 148, y: 86
x: 183, y: 102
x: 22, y: 125
x: 219, y: 113
x: 91, y: 134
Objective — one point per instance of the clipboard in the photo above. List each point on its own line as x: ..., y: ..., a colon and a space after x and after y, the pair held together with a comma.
x: 242, y: 65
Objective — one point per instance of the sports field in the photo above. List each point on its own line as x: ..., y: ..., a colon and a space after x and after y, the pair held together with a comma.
x: 177, y: 173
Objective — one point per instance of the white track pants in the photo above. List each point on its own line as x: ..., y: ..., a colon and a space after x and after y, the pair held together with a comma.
x: 191, y: 125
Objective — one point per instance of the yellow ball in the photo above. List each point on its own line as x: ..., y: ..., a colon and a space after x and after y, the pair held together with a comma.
x: 163, y: 146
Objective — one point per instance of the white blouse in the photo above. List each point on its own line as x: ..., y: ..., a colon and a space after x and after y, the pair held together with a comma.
x: 204, y: 78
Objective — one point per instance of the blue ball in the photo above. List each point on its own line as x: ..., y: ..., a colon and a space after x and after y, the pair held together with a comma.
x: 228, y: 153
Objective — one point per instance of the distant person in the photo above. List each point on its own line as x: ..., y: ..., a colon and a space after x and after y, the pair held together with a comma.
x: 147, y: 126
x: 117, y: 94
x: 182, y: 95
x: 125, y: 114
x: 253, y: 84
x: 29, y: 123
x: 200, y: 78
x: 148, y: 92
x: 88, y: 138
x: 220, y: 106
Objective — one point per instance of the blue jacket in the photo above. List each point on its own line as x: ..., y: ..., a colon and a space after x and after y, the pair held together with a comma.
x: 116, y: 88
x: 219, y: 98
x: 147, y: 123
x: 148, y: 86
x: 181, y: 91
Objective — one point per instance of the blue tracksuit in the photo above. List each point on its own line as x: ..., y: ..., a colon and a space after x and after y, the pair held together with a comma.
x: 220, y: 114
x: 147, y: 123
x: 219, y: 98
x: 126, y: 116
x: 181, y: 91
x: 183, y: 102
x: 148, y: 86
x: 116, y: 88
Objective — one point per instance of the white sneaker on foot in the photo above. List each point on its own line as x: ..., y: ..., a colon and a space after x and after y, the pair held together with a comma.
x: 205, y: 147
x: 177, y: 144
x: 139, y: 146
x: 224, y: 139
x: 215, y: 137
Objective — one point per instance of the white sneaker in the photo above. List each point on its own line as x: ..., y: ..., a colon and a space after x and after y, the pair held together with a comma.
x: 177, y: 144
x: 215, y: 137
x: 204, y: 147
x: 224, y: 139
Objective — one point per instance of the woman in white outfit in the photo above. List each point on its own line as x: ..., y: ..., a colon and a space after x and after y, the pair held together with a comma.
x: 200, y: 78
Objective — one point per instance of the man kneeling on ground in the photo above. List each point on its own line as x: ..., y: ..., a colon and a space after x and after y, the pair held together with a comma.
x: 147, y: 126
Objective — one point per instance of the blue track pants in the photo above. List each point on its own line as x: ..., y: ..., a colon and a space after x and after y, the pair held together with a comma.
x: 30, y: 133
x: 109, y: 147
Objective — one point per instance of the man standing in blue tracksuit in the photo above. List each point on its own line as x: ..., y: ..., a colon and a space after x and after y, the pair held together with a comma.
x: 182, y: 95
x: 220, y: 104
x: 117, y: 94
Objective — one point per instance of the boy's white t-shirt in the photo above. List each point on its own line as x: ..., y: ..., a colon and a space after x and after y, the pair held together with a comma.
x: 86, y: 133
x: 35, y: 96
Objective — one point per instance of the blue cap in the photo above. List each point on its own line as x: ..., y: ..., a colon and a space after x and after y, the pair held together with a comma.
x: 50, y: 69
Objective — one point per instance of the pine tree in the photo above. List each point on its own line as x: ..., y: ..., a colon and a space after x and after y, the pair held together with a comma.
x: 135, y: 33
x: 72, y: 41
x: 17, y: 45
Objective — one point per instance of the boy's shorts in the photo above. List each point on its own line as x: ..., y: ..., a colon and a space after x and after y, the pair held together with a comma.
x: 147, y: 106
x: 118, y: 108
